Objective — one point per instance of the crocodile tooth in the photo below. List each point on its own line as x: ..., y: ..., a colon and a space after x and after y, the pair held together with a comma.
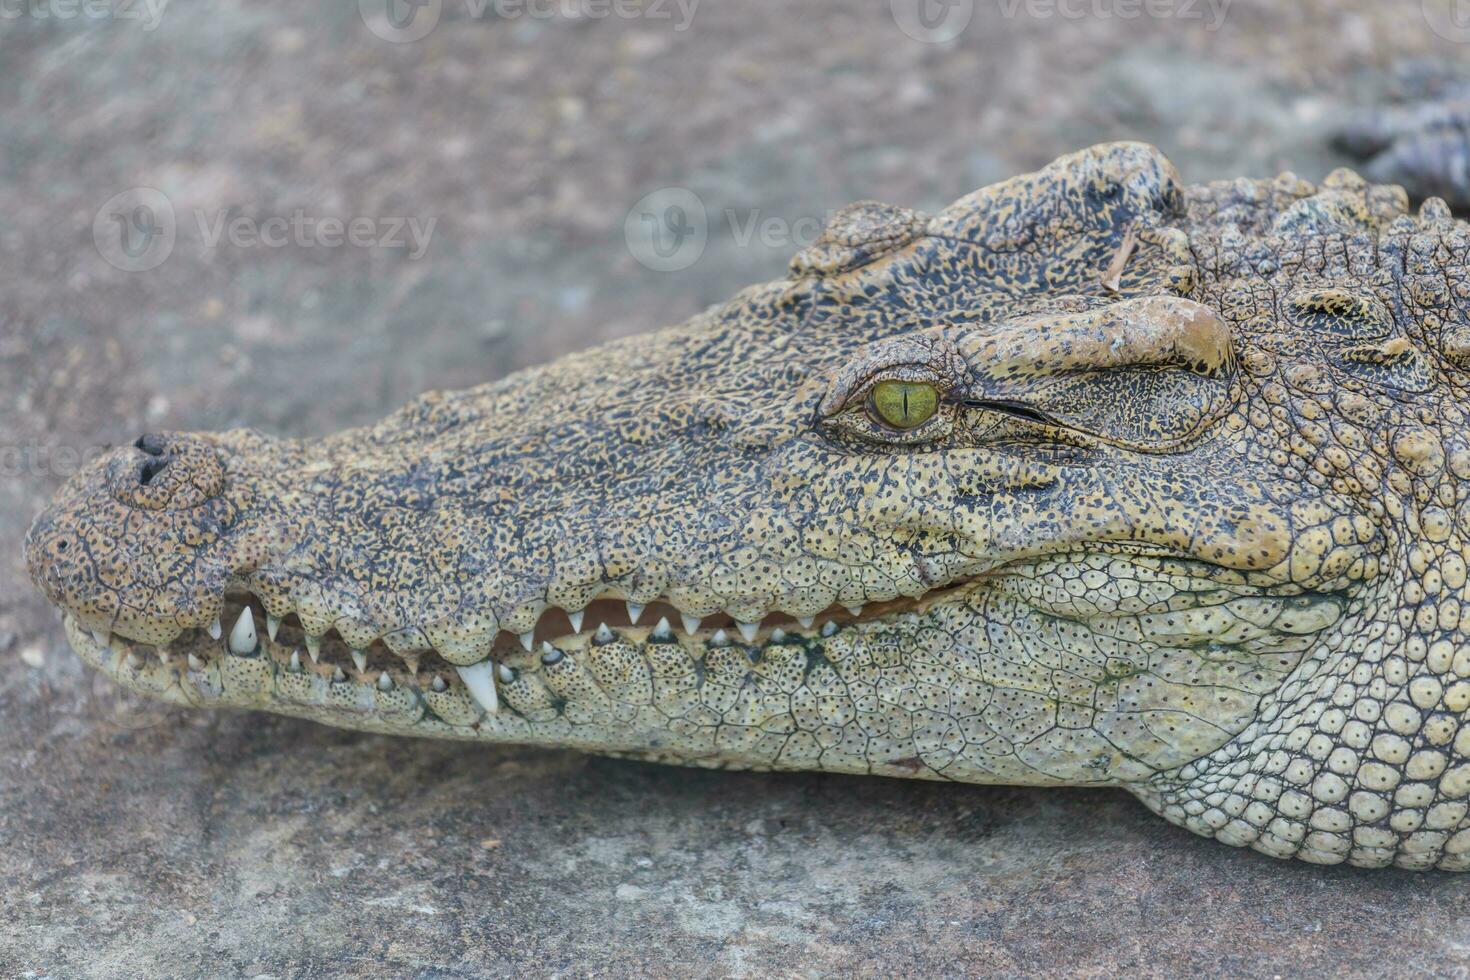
x: 576, y: 620
x: 134, y: 661
x: 161, y: 654
x: 480, y: 680
x: 295, y: 664
x: 857, y: 610
x: 505, y: 674
x: 215, y: 629
x: 719, y: 639
x: 635, y: 610
x: 195, y: 663
x: 102, y: 638
x: 550, y: 654
x: 806, y: 621
x: 528, y: 639
x: 337, y: 676
x: 748, y: 630
x: 242, y: 635
x: 272, y: 624
x: 691, y: 623
x: 602, y: 636
x: 360, y: 659
x: 438, y: 685
x: 829, y: 628
x: 385, y: 683
x: 314, y: 647
x: 778, y: 635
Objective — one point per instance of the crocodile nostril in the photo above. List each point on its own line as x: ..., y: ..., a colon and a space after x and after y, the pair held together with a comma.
x: 150, y: 469
x: 151, y: 443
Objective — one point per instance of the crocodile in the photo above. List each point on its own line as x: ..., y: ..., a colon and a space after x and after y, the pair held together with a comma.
x: 1091, y: 478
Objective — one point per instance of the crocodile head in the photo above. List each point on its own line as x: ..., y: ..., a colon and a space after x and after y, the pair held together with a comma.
x: 1087, y: 479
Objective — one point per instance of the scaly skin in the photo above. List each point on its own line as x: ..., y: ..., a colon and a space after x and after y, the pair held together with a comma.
x: 1190, y: 519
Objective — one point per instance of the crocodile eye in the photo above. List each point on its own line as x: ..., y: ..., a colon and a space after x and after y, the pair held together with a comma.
x: 904, y: 404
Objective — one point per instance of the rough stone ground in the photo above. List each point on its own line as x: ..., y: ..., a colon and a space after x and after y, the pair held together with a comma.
x: 135, y: 842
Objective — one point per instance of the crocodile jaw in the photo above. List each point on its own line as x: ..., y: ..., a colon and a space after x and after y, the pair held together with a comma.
x: 781, y: 698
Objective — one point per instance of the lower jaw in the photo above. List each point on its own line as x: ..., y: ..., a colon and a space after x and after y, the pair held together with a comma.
x: 708, y: 698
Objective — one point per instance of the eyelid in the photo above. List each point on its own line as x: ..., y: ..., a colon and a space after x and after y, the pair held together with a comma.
x: 1015, y: 409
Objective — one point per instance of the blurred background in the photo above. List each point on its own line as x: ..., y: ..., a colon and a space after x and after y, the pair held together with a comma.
x: 296, y: 216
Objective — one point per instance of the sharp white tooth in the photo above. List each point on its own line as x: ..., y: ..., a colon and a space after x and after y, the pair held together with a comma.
x: 719, y: 639
x: 337, y: 676
x: 314, y: 647
x: 603, y: 635
x: 242, y: 635
x: 662, y: 630
x: 385, y: 683
x: 550, y: 654
x: 134, y: 661
x: 438, y: 684
x: 778, y: 635
x: 102, y: 638
x: 806, y: 621
x: 576, y: 620
x: 748, y: 630
x: 215, y: 629
x: 480, y: 679
x: 828, y: 628
x: 161, y: 654
x: 295, y: 661
x: 635, y: 610
x: 528, y: 639
x: 195, y: 663
x: 360, y: 659
x: 272, y: 624
x: 857, y: 610
x: 691, y: 623
x: 505, y: 674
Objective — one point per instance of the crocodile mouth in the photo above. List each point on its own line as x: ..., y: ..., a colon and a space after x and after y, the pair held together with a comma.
x: 248, y: 650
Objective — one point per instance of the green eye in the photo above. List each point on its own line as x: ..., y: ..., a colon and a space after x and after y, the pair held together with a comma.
x: 904, y: 404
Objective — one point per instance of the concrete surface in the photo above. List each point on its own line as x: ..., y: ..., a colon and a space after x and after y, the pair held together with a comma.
x: 143, y: 842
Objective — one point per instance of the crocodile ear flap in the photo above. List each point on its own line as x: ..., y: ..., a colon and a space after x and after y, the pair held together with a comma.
x: 857, y: 235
